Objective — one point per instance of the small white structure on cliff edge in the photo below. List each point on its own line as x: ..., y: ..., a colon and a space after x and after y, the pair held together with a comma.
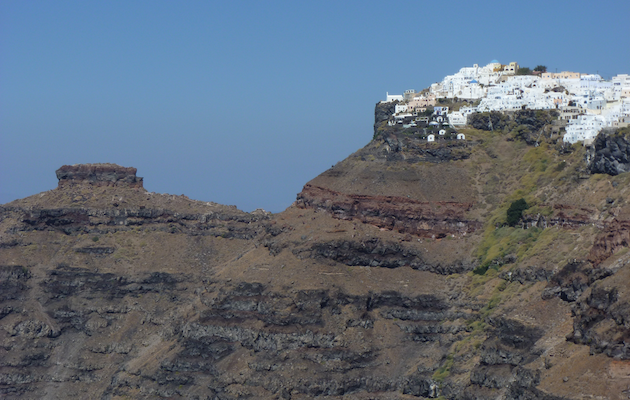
x: 392, y: 97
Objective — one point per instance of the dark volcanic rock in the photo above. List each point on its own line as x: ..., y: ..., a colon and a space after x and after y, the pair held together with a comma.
x: 392, y: 146
x: 98, y: 175
x: 73, y: 221
x: 382, y: 112
x: 609, y: 154
x: 65, y: 281
x: 493, y: 120
x: 13, y: 284
x: 500, y: 373
x: 376, y: 253
x: 573, y: 279
x: 515, y: 334
x: 601, y: 321
x: 527, y: 274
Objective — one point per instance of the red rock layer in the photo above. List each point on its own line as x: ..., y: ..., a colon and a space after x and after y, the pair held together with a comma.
x: 421, y: 218
x: 564, y: 216
x: 615, y: 236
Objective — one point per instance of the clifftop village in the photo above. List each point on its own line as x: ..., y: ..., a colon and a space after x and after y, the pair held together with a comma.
x: 586, y: 103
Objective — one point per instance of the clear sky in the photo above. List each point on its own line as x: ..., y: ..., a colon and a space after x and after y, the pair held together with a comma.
x: 243, y: 102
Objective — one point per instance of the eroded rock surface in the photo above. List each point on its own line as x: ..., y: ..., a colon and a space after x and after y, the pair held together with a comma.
x: 609, y: 154
x: 404, y: 215
x: 98, y: 175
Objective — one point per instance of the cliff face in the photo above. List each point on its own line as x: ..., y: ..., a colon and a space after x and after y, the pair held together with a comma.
x: 393, y: 276
x: 609, y: 154
x: 405, y: 215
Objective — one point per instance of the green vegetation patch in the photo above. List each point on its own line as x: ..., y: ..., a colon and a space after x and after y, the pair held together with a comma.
x: 445, y: 370
x: 539, y: 210
x: 504, y: 241
x: 515, y: 211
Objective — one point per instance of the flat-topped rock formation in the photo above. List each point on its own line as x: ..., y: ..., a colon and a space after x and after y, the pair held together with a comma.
x: 98, y: 175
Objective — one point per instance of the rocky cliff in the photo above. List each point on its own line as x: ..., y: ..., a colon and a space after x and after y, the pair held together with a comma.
x: 98, y: 175
x: 394, y: 275
x: 610, y: 153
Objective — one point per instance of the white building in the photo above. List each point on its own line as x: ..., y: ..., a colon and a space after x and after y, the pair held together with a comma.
x: 586, y: 101
x: 400, y: 108
x: 457, y: 118
x: 469, y: 82
x: 409, y: 94
x: 585, y: 128
x: 443, y: 111
x: 619, y: 83
x: 392, y: 97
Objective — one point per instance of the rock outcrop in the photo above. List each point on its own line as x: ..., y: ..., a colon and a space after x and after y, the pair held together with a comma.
x: 614, y: 237
x: 82, y: 220
x: 98, y: 175
x: 382, y: 113
x: 563, y: 215
x: 609, y: 154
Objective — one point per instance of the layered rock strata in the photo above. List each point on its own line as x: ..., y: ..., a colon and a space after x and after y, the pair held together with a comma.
x: 82, y: 220
x: 98, y: 175
x: 425, y: 219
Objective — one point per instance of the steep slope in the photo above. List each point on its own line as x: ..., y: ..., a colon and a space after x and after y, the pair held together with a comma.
x: 392, y: 276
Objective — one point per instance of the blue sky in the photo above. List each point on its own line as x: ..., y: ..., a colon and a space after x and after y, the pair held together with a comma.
x: 244, y: 102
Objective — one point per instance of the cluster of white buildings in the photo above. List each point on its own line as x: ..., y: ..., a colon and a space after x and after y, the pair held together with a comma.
x: 591, y: 103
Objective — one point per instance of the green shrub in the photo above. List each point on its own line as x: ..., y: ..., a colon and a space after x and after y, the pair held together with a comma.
x: 481, y: 270
x: 515, y: 212
x: 561, y: 166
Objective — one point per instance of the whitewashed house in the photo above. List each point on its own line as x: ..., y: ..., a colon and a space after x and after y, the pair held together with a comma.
x: 443, y: 111
x: 595, y: 103
x: 469, y: 81
x: 572, y: 112
x: 457, y: 118
x: 619, y: 83
x: 392, y: 97
x: 400, y: 108
x: 585, y: 128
